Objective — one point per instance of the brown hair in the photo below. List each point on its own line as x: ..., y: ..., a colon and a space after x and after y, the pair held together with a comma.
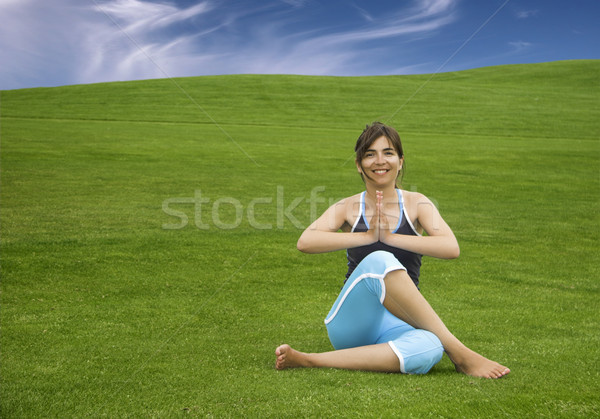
x: 373, y: 132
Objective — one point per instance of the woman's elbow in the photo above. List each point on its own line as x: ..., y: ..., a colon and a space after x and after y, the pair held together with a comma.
x: 454, y: 252
x: 302, y: 245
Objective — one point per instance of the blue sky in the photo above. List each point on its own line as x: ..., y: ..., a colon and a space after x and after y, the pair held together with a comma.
x: 63, y: 42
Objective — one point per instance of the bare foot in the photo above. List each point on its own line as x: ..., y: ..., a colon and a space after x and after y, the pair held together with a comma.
x: 289, y: 358
x: 471, y: 363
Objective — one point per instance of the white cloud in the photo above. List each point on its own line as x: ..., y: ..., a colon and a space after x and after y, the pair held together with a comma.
x: 334, y: 52
x: 434, y: 7
x: 139, y: 15
x: 366, y: 15
x: 38, y: 40
x: 525, y: 14
x: 6, y: 3
x: 265, y: 47
x: 128, y: 43
x: 295, y: 3
x: 68, y: 42
x: 520, y: 46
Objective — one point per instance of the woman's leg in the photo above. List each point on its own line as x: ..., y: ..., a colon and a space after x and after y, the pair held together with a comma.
x: 354, y: 324
x: 378, y: 358
x: 400, y: 297
x: 367, y: 337
x: 415, y: 310
x: 404, y: 301
x: 400, y: 348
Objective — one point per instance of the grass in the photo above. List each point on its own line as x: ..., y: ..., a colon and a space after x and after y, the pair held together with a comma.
x: 107, y: 313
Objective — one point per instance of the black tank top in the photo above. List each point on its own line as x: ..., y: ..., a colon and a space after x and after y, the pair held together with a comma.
x: 410, y: 260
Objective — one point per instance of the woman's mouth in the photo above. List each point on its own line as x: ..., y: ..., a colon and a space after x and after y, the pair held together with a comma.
x: 381, y: 171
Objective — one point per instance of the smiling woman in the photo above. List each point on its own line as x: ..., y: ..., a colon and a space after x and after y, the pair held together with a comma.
x: 382, y: 154
x: 380, y: 321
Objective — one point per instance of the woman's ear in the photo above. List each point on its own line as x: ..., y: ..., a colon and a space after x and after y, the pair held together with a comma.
x: 358, y: 167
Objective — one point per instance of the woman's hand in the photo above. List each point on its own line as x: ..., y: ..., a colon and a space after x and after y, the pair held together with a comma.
x: 374, y: 223
x: 379, y: 229
x: 383, y: 224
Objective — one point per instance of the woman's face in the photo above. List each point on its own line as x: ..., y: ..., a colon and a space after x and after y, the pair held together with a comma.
x: 381, y: 163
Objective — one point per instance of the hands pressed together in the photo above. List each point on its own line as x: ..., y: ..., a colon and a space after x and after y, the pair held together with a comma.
x: 379, y: 228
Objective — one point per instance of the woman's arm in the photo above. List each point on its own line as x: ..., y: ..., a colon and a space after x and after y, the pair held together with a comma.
x: 440, y: 241
x: 323, y: 235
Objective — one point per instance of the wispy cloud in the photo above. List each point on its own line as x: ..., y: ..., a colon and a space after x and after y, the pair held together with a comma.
x: 48, y: 43
x: 133, y: 39
x: 145, y: 16
x: 39, y: 40
x: 520, y: 46
x: 524, y: 14
x: 105, y: 40
x: 295, y: 3
x: 262, y: 46
x: 366, y: 15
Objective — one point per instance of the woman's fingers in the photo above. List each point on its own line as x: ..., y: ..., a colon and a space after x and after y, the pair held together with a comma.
x: 380, y: 216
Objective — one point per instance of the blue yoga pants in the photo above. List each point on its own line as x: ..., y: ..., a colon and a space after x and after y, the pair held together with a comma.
x: 358, y: 318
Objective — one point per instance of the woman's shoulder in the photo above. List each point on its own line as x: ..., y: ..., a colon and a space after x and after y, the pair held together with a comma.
x: 413, y: 202
x: 413, y: 198
x: 348, y: 207
x: 354, y: 198
x: 349, y: 201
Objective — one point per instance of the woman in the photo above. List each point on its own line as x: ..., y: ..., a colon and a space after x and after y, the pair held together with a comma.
x: 380, y: 321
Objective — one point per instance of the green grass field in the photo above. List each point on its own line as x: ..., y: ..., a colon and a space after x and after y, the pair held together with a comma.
x: 148, y: 235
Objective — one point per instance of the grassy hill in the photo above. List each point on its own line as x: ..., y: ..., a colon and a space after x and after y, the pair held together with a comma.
x: 516, y: 100
x: 148, y: 237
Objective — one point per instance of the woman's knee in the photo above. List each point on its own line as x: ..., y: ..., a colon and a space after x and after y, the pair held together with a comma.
x: 380, y: 258
x: 379, y: 264
x: 418, y: 351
